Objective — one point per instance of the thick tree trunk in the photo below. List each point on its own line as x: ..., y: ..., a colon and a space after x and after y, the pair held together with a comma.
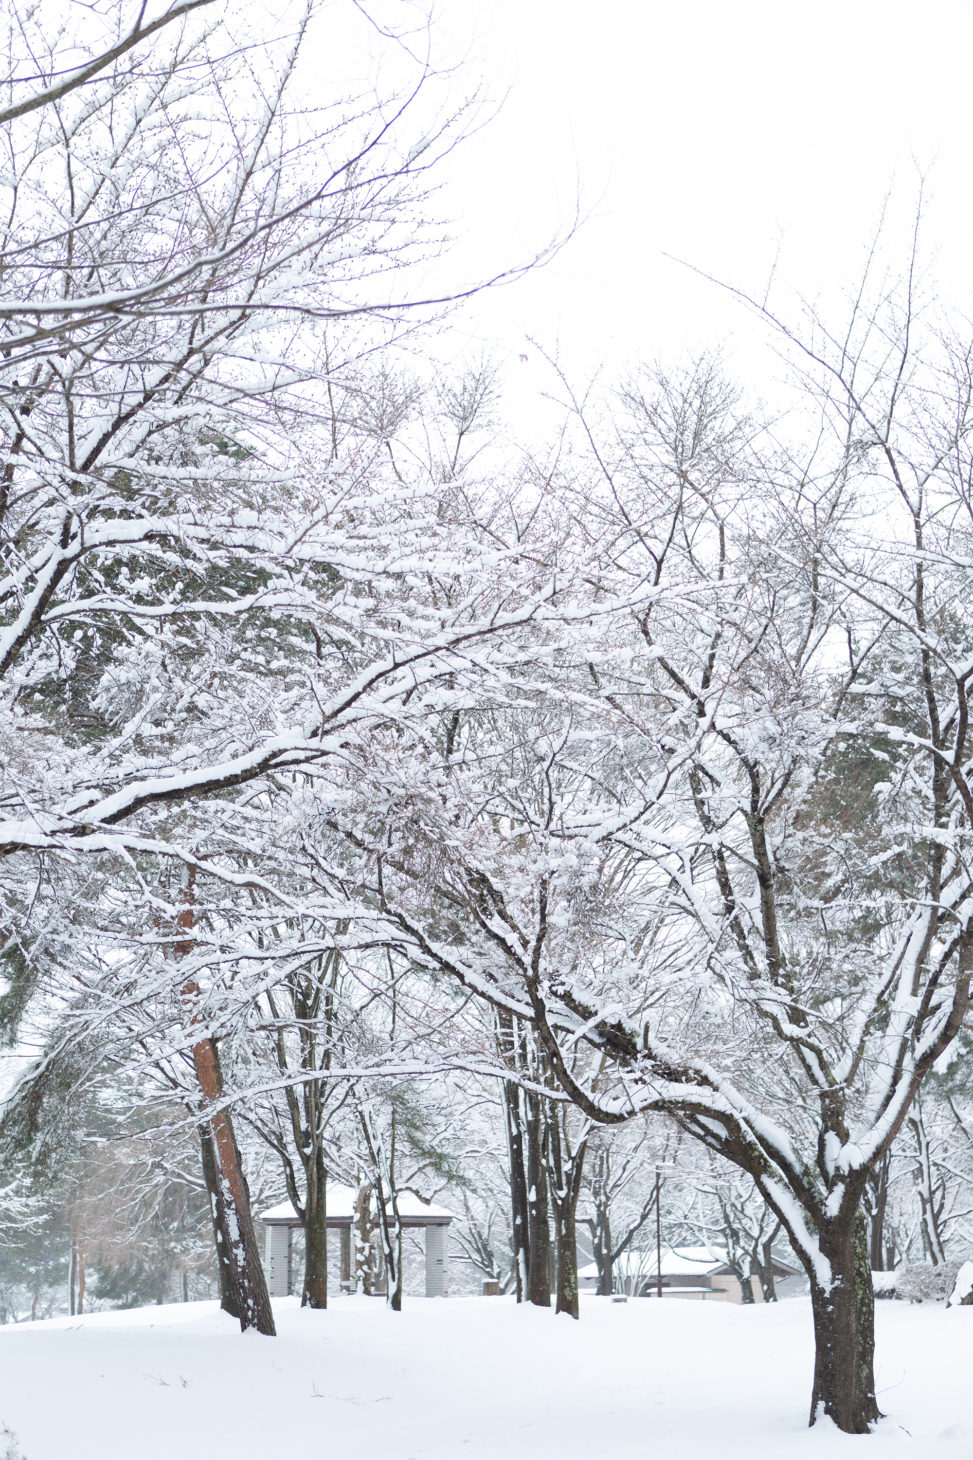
x: 844, y: 1331
x: 539, y: 1252
x: 315, y: 1291
x: 566, y: 1239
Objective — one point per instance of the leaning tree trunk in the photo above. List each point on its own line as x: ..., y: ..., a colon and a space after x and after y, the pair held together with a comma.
x: 315, y: 1291
x: 242, y: 1282
x: 844, y: 1329
x: 227, y: 1293
x: 237, y: 1245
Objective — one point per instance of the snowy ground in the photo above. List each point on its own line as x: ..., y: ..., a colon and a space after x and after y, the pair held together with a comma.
x: 470, y: 1379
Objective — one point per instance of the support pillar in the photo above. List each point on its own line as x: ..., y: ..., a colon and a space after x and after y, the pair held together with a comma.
x: 436, y: 1263
x: 278, y: 1261
x: 347, y: 1282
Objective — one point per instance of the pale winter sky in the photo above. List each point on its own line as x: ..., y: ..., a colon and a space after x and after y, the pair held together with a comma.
x: 731, y: 135
x: 749, y: 138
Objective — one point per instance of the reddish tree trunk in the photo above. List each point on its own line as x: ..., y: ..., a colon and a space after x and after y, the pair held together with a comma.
x: 238, y: 1251
x: 243, y: 1286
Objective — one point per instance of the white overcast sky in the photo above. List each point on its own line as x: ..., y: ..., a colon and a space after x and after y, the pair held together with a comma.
x: 728, y: 134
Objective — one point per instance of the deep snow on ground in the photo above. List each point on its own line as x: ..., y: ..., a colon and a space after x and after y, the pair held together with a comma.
x: 471, y: 1379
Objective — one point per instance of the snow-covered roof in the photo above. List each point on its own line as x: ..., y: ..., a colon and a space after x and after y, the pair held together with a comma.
x: 676, y: 1262
x: 341, y: 1208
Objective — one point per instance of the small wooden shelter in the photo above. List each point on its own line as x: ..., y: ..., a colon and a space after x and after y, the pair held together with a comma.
x: 281, y: 1221
x: 687, y: 1272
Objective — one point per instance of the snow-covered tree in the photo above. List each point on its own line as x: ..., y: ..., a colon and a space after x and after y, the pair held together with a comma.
x: 726, y: 844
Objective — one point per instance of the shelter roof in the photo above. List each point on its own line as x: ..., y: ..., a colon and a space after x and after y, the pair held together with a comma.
x: 413, y: 1211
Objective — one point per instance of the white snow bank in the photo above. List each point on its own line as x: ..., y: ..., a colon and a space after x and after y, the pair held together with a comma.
x: 471, y: 1379
x: 963, y: 1286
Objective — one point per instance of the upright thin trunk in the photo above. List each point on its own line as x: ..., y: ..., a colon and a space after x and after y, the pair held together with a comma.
x: 566, y: 1171
x: 601, y: 1242
x: 513, y: 1107
x: 81, y: 1276
x: 844, y: 1330
x: 519, y: 1207
x: 72, y: 1277
x: 765, y: 1269
x: 931, y: 1194
x: 539, y: 1251
x: 315, y: 1291
x: 390, y: 1226
x: 599, y: 1225
x: 364, y: 1227
x: 566, y: 1243
x: 875, y: 1204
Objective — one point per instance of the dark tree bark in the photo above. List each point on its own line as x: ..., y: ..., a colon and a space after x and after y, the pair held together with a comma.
x: 881, y: 1252
x: 566, y: 1169
x: 390, y: 1227
x: 315, y: 1290
x: 519, y: 1209
x: 311, y: 999
x: 764, y: 1266
x: 601, y: 1245
x: 514, y: 1123
x: 539, y: 1251
x: 227, y: 1293
x: 844, y: 1330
